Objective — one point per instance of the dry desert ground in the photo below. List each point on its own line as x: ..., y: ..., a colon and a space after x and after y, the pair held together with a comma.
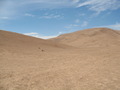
x: 83, y: 60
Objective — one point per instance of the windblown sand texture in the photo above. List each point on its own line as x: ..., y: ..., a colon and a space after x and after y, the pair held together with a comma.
x: 83, y: 60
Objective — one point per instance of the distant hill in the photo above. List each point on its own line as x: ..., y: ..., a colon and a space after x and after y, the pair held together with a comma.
x: 95, y: 37
x: 14, y: 42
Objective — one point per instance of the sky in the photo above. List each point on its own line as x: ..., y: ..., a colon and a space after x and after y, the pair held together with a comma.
x: 50, y: 18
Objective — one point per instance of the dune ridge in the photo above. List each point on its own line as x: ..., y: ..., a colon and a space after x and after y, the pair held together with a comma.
x: 12, y: 41
x: 90, y: 37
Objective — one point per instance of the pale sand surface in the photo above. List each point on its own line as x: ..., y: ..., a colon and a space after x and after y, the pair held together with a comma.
x: 27, y: 63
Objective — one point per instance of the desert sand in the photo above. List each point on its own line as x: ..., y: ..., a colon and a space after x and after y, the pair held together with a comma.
x: 83, y: 60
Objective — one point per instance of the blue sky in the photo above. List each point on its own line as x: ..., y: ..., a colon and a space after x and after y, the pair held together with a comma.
x: 50, y: 18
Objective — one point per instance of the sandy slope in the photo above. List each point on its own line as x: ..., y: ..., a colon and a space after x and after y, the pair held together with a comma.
x: 21, y: 43
x: 23, y: 66
x: 95, y: 37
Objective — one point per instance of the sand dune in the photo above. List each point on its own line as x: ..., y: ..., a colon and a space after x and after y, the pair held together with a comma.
x: 15, y: 42
x: 95, y: 37
x: 86, y: 60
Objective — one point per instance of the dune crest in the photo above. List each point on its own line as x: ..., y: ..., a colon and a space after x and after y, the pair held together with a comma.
x: 11, y: 41
x: 95, y: 37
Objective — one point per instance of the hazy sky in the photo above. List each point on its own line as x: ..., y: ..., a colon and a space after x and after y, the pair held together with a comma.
x: 49, y: 18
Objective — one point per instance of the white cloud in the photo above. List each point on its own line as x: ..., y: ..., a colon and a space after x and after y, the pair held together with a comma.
x: 81, y: 14
x: 100, y: 5
x: 51, y: 3
x: 77, y: 21
x: 4, y: 18
x: 30, y: 15
x: 45, y: 16
x: 52, y: 16
x: 84, y: 24
x: 37, y: 35
x: 75, y: 1
x: 7, y: 8
x: 72, y: 26
x: 32, y: 33
x: 12, y: 7
x: 114, y: 26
